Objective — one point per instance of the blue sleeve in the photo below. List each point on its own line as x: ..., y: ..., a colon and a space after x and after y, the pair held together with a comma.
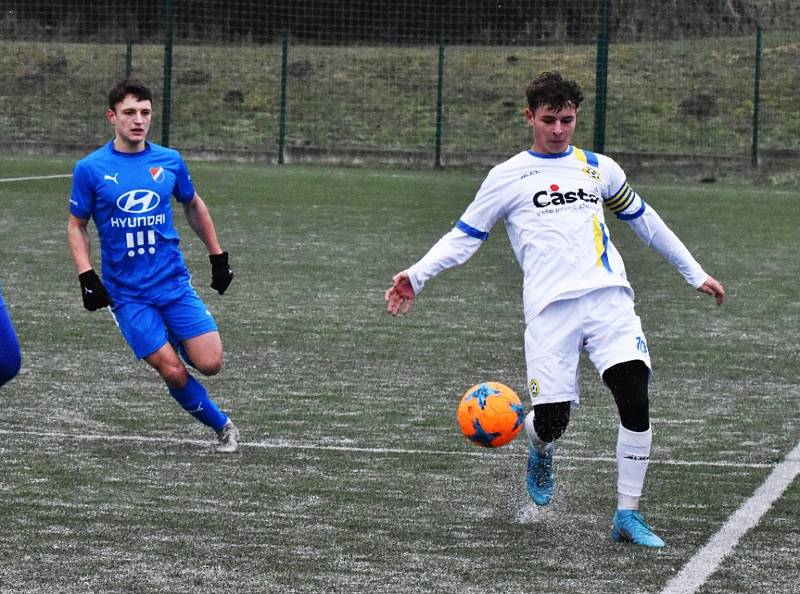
x: 81, y: 200
x: 184, y: 188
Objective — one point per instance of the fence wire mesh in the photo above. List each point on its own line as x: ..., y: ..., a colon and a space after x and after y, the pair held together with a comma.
x: 404, y: 79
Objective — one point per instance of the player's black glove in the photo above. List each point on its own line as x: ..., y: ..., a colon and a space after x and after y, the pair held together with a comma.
x: 94, y: 293
x: 221, y: 273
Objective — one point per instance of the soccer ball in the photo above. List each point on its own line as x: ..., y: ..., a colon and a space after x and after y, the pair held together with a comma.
x: 490, y: 414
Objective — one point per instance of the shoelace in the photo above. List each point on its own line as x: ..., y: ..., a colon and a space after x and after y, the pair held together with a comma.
x: 544, y: 470
x: 636, y: 519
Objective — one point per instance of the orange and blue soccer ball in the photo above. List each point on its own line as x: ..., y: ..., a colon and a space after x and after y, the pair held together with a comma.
x: 490, y: 414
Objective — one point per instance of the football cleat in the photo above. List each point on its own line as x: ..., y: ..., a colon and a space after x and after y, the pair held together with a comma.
x: 540, y: 474
x: 629, y: 526
x: 227, y: 439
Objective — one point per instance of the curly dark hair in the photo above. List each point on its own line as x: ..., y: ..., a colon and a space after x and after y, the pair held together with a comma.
x: 554, y: 91
x: 129, y: 86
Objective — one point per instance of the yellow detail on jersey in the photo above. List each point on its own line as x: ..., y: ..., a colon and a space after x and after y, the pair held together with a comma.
x: 598, y: 239
x: 601, y: 243
x: 622, y: 199
x: 579, y: 154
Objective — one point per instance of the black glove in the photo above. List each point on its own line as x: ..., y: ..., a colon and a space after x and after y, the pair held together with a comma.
x: 221, y: 273
x: 94, y: 293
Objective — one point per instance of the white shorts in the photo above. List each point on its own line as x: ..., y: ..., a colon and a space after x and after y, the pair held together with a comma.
x: 601, y: 322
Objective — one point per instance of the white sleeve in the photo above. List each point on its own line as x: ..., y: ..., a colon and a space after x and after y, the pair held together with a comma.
x: 470, y: 231
x: 628, y: 206
x: 454, y: 248
x: 655, y: 233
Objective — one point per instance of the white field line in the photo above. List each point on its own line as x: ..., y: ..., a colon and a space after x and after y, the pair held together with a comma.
x: 33, y: 178
x: 292, y: 445
x: 709, y: 558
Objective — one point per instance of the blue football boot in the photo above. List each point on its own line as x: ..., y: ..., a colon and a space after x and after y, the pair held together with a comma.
x: 629, y: 526
x: 540, y: 475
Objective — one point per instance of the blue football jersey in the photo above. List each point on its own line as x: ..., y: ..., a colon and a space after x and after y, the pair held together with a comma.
x: 129, y: 196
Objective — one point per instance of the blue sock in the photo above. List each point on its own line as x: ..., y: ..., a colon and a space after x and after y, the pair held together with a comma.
x: 194, y: 400
x: 10, y: 355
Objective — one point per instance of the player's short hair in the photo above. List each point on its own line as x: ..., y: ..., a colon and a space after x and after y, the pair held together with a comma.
x: 553, y: 90
x: 129, y: 86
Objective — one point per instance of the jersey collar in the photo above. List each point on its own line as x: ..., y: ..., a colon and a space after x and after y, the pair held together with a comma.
x: 147, y: 149
x: 566, y: 153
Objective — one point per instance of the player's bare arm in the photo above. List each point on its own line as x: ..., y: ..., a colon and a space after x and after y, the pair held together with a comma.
x: 713, y: 288
x: 78, y: 239
x: 201, y: 223
x: 400, y: 296
x: 93, y: 292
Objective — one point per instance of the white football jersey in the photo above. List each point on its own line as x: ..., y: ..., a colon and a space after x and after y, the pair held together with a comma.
x: 552, y: 206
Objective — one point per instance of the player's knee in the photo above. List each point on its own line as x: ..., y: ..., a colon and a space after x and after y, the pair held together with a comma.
x: 209, y: 366
x: 205, y: 358
x: 210, y: 369
x: 174, y: 374
x: 629, y: 383
x: 550, y: 420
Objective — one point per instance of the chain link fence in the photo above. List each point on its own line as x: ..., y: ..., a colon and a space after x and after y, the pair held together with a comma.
x: 406, y: 81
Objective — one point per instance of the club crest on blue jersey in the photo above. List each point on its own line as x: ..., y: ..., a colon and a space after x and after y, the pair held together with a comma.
x: 157, y: 173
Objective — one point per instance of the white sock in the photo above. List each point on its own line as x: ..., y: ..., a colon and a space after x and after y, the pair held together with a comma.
x: 533, y: 439
x: 633, y: 456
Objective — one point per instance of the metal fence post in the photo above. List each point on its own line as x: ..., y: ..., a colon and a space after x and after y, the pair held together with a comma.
x: 284, y: 86
x: 601, y: 81
x: 439, y: 104
x: 757, y: 96
x: 169, y: 37
x: 129, y: 58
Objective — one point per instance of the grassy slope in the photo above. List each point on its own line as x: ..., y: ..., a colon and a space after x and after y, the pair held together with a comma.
x: 385, y: 98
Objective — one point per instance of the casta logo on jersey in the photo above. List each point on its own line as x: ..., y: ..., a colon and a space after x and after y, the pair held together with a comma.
x: 138, y: 201
x: 555, y: 197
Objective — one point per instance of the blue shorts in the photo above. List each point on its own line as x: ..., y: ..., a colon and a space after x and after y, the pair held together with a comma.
x: 174, y: 317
